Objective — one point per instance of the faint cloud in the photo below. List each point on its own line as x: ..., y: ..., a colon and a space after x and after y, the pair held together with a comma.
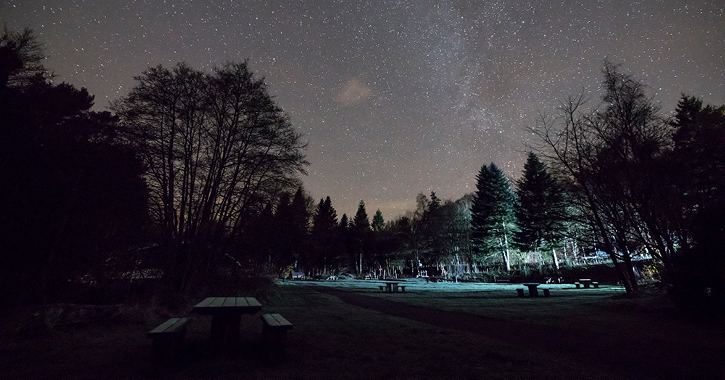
x: 353, y: 92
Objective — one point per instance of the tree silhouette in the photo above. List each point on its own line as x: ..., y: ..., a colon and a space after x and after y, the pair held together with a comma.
x: 360, y: 232
x: 541, y: 208
x: 72, y: 194
x: 610, y: 161
x: 217, y: 147
x: 378, y: 222
x: 325, y: 237
x: 697, y: 170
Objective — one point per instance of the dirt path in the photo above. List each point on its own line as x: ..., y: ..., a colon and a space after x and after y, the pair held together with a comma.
x: 621, y: 356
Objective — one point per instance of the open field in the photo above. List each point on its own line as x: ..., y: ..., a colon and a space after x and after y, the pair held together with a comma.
x: 350, y: 330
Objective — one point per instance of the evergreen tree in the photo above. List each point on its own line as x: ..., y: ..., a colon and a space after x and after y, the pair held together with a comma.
x: 256, y: 243
x: 360, y: 234
x: 492, y: 219
x: 283, y: 241
x: 697, y: 168
x: 433, y: 229
x: 324, y: 235
x: 540, y: 212
x: 344, y: 223
x: 299, y: 228
x: 346, y: 241
x: 378, y: 222
x: 360, y: 222
x: 325, y: 218
x: 434, y: 203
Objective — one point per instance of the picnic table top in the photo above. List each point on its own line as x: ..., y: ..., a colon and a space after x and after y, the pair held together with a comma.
x: 236, y: 305
x: 531, y: 284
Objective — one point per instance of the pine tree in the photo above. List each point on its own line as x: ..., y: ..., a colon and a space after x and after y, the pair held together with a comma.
x: 434, y: 203
x: 299, y: 228
x: 325, y: 218
x: 344, y: 222
x: 257, y: 242
x: 360, y: 233
x: 433, y: 229
x: 378, y: 222
x: 282, y: 242
x: 360, y: 222
x: 492, y: 219
x: 541, y: 210
x: 324, y: 236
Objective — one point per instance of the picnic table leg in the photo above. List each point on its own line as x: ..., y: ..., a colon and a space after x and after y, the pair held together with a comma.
x: 225, y: 326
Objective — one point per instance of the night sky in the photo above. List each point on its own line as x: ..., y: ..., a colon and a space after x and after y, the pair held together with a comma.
x: 394, y: 97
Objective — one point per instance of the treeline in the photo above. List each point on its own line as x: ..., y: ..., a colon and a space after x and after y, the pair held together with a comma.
x: 195, y: 177
x: 617, y: 179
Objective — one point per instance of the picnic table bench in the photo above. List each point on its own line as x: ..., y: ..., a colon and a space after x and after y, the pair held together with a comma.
x: 168, y: 337
x: 274, y: 329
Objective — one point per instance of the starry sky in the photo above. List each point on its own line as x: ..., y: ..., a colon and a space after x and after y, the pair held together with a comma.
x: 394, y: 97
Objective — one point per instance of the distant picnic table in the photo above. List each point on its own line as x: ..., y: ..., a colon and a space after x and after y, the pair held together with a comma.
x: 587, y: 283
x: 392, y: 286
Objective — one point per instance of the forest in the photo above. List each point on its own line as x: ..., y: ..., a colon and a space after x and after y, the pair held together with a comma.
x: 194, y: 178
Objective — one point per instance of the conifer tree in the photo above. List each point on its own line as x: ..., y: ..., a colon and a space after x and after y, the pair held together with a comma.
x: 492, y: 215
x: 541, y: 211
x: 324, y: 235
x: 434, y: 203
x: 282, y: 243
x: 299, y: 227
x: 344, y: 222
x: 361, y: 222
x: 360, y: 234
x: 378, y: 222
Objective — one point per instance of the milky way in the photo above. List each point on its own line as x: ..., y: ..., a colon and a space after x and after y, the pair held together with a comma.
x: 395, y: 97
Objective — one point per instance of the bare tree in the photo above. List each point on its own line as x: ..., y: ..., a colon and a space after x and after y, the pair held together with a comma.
x: 216, y: 146
x: 608, y: 158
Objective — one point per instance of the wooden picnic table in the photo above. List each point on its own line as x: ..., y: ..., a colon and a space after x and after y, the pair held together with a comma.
x: 391, y: 286
x: 586, y: 282
x: 533, y: 291
x: 226, y: 313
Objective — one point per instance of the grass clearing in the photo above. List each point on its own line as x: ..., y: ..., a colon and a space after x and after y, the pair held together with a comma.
x: 335, y: 340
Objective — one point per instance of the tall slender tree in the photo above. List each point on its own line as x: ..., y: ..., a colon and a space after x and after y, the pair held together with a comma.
x: 492, y: 215
x: 360, y: 232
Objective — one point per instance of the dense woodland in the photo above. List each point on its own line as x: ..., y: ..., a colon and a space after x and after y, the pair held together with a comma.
x: 195, y: 176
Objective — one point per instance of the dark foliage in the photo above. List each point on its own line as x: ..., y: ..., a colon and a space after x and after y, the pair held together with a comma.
x: 71, y: 194
x: 698, y: 276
